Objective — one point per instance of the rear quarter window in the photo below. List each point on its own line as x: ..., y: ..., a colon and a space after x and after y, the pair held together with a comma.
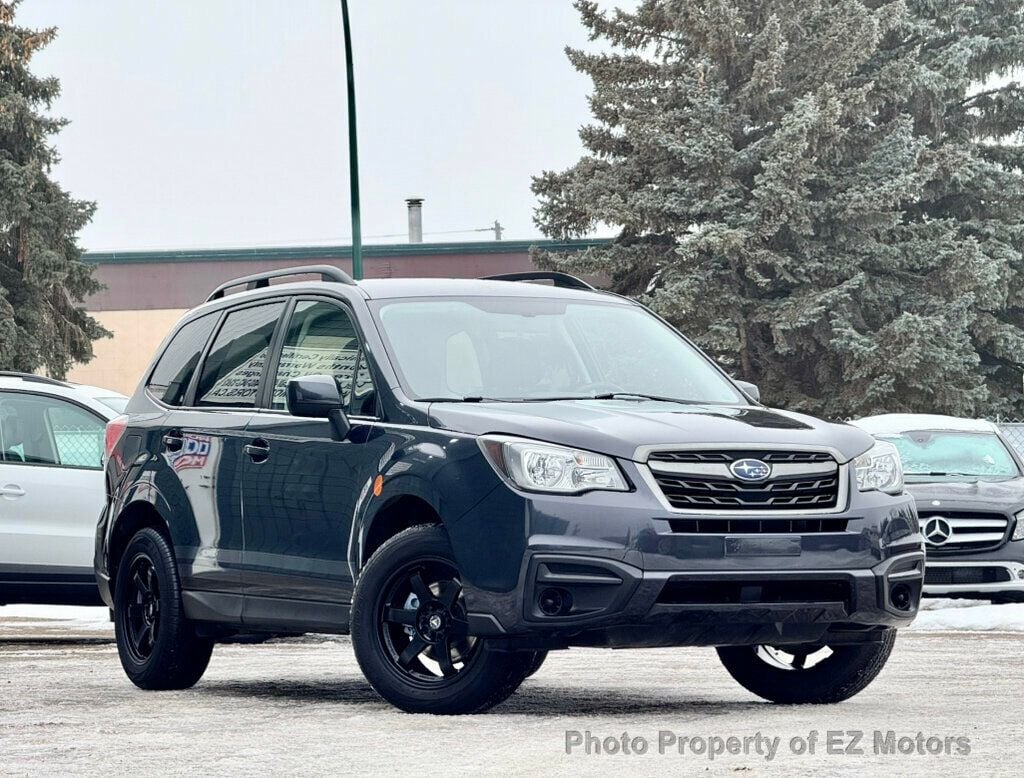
x: 173, y: 373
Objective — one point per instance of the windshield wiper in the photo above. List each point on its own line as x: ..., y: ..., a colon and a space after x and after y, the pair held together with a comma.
x: 639, y: 396
x: 468, y: 399
x: 609, y: 396
x: 943, y: 474
x: 564, y: 398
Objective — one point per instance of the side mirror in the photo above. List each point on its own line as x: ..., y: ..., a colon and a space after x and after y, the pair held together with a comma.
x: 318, y: 397
x: 750, y: 390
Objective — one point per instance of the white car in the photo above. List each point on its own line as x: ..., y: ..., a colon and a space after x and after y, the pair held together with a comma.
x: 51, y: 487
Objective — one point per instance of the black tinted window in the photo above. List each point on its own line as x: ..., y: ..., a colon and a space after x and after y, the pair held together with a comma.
x: 231, y: 373
x: 174, y: 369
x: 320, y: 341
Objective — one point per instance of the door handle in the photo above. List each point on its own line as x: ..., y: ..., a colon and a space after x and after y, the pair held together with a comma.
x: 173, y: 441
x: 258, y: 451
x: 11, y: 491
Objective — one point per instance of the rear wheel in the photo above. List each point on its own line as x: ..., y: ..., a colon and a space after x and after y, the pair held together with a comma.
x: 158, y: 646
x: 411, y: 634
x: 807, y: 674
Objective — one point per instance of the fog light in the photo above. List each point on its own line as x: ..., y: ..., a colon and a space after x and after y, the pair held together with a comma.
x: 900, y: 597
x: 554, y: 602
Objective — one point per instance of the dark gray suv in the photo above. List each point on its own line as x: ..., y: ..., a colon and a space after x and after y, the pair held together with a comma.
x: 467, y: 474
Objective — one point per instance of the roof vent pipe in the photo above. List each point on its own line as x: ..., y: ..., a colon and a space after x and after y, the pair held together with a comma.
x: 415, y: 219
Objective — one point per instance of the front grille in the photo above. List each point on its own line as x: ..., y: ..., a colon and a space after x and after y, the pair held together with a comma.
x: 971, y: 531
x: 756, y: 526
x: 701, y: 481
x: 741, y: 592
x: 952, y: 576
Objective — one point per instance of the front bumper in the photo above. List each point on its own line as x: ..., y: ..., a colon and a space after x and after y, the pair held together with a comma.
x: 996, y: 573
x: 614, y: 569
x: 975, y: 579
x: 601, y: 602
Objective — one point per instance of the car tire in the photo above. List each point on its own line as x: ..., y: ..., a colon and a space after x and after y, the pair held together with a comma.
x: 844, y: 672
x: 411, y: 637
x: 1006, y: 599
x: 158, y: 646
x: 536, y: 663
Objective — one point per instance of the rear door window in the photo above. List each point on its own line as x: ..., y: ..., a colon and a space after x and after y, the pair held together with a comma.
x: 233, y: 369
x: 173, y: 373
x: 42, y: 430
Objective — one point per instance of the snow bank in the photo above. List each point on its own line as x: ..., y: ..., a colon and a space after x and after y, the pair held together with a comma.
x: 969, y: 616
x: 19, y: 618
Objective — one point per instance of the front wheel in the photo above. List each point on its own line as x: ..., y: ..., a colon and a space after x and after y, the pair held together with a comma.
x: 411, y: 635
x: 539, y: 657
x: 807, y: 674
x: 158, y: 646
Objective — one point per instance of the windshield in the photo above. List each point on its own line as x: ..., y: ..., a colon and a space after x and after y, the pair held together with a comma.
x: 938, y: 454
x: 517, y: 348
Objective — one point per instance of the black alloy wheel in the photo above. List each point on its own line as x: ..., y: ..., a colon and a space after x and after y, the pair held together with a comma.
x: 141, y: 619
x: 158, y: 645
x: 412, y: 633
x: 423, y: 623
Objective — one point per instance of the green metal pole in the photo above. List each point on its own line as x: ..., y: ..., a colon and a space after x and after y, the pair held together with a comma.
x: 353, y: 151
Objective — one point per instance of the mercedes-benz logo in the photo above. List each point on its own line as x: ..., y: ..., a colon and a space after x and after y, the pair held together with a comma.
x: 750, y: 469
x: 937, y: 530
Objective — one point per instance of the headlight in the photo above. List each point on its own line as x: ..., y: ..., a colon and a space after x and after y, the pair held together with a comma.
x: 542, y: 467
x: 879, y: 469
x: 1018, y: 531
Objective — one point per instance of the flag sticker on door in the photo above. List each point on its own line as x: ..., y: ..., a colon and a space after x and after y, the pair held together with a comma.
x: 193, y: 454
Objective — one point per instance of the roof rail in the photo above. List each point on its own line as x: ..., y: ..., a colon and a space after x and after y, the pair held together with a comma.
x: 39, y: 379
x: 561, y: 280
x: 261, y: 280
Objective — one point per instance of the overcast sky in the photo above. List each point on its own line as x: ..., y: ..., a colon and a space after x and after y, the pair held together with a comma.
x: 215, y: 123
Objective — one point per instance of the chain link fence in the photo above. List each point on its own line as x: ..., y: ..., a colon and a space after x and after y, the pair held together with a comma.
x: 79, y: 446
x: 1014, y: 432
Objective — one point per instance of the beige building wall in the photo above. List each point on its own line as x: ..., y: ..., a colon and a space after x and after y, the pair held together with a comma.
x: 120, y: 361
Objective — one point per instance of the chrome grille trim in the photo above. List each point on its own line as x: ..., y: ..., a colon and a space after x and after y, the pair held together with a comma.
x: 721, y: 470
x: 971, y: 531
x: 837, y: 469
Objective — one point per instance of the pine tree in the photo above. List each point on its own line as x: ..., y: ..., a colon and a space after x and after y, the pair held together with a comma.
x: 42, y: 278
x: 828, y: 195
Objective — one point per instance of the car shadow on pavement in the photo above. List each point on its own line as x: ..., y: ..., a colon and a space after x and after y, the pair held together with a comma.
x: 532, y: 700
x: 538, y: 699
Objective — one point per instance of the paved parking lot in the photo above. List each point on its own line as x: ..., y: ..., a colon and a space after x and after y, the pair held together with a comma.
x: 303, y: 707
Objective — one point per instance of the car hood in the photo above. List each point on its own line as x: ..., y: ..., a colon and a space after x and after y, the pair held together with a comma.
x: 618, y: 427
x: 1000, y: 496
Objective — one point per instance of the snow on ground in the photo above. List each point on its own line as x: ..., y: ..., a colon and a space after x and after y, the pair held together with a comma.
x: 54, y: 621
x: 289, y: 708
x: 969, y: 616
x: 938, y: 615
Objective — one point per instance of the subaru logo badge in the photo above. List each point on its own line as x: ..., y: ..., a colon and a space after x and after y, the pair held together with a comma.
x: 750, y: 469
